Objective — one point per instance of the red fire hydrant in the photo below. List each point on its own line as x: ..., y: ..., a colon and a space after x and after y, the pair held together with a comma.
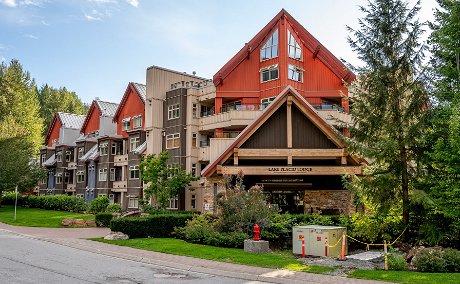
x: 256, y: 233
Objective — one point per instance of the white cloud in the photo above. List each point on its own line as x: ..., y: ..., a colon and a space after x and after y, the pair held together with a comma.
x: 37, y: 3
x: 103, y: 1
x: 45, y: 23
x: 9, y: 3
x: 92, y: 18
x: 133, y: 3
x: 31, y: 36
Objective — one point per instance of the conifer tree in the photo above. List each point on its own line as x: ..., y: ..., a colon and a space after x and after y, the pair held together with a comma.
x: 388, y: 101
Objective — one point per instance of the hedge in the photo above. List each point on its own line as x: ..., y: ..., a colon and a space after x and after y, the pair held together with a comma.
x: 103, y: 219
x: 154, y: 226
x: 57, y: 202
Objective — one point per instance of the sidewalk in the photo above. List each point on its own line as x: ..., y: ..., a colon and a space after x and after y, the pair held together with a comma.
x: 73, y: 238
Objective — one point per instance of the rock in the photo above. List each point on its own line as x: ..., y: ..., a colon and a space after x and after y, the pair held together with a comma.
x: 80, y: 222
x: 116, y: 236
x: 67, y: 222
x: 252, y: 246
x: 91, y: 223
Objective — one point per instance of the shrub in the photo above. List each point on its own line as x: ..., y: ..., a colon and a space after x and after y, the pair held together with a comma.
x: 99, y: 204
x: 153, y: 211
x: 57, y: 202
x: 103, y: 219
x: 429, y: 260
x: 154, y: 226
x: 9, y: 198
x: 452, y: 259
x: 114, y: 208
x: 396, y: 261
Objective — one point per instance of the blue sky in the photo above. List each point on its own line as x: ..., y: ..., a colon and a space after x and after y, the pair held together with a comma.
x: 95, y: 47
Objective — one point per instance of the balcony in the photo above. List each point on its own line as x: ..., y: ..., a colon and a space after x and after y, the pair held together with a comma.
x: 70, y: 187
x: 120, y: 160
x: 216, y: 147
x: 242, y: 115
x: 120, y: 186
x: 72, y: 166
x: 335, y: 116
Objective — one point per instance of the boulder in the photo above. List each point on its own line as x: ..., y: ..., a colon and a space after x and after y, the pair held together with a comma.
x: 116, y: 236
x: 80, y: 222
x: 91, y: 223
x: 67, y: 222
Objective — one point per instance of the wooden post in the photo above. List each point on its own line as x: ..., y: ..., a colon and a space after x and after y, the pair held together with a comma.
x: 385, y: 252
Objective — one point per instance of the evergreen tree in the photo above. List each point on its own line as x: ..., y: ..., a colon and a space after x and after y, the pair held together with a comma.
x: 388, y: 101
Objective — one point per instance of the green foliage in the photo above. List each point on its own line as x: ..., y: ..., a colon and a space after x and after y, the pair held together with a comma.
x: 163, y: 182
x: 8, y: 198
x: 406, y: 277
x: 437, y: 260
x: 99, y: 204
x: 396, y: 261
x: 452, y: 258
x: 388, y: 101
x: 57, y: 202
x: 114, y: 208
x: 103, y: 219
x: 155, y: 226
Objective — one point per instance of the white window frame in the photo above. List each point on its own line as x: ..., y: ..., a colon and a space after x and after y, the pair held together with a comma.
x: 133, y: 202
x: 132, y: 172
x: 58, y: 178
x: 59, y: 156
x: 102, y: 174
x: 112, y: 174
x: 104, y: 148
x: 193, y: 170
x: 113, y: 148
x: 195, y: 112
x: 193, y: 201
x: 293, y: 70
x: 126, y: 123
x: 294, y: 46
x: 43, y: 158
x: 112, y: 198
x: 265, y: 102
x: 80, y: 174
x: 137, y: 121
x: 194, y: 139
x: 134, y: 142
x: 68, y: 156
x: 173, y: 203
x: 174, y: 139
x: 66, y: 177
x: 270, y: 46
x: 268, y: 70
x: 81, y: 152
x: 173, y: 111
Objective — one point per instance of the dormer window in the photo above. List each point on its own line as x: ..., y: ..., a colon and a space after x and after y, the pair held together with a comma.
x: 295, y: 73
x: 294, y: 49
x: 270, y: 48
x: 126, y: 123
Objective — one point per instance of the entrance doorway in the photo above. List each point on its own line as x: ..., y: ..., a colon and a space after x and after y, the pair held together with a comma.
x: 290, y: 201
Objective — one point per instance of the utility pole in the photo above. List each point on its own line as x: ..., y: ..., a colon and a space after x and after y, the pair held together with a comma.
x: 15, y: 202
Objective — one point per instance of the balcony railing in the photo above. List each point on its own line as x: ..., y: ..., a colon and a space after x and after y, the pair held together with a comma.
x: 120, y: 160
x: 335, y: 116
x: 234, y: 117
x: 217, y: 145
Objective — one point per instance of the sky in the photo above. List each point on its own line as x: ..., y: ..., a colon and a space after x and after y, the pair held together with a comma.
x: 96, y: 47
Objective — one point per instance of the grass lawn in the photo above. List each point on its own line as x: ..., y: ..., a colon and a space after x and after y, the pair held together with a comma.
x: 232, y: 255
x: 33, y: 217
x: 408, y: 277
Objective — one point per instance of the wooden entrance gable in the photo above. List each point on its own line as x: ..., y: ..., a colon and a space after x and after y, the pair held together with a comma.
x: 289, y: 129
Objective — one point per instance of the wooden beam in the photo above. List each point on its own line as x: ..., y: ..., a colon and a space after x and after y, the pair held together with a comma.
x: 244, y: 152
x: 290, y: 160
x: 289, y: 121
x: 344, y: 160
x: 219, y: 169
x: 289, y: 170
x: 235, y: 156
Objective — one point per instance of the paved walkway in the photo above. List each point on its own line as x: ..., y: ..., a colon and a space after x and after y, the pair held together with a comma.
x: 73, y: 237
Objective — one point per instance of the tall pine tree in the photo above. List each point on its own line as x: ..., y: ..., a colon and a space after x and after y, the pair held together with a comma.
x: 388, y: 101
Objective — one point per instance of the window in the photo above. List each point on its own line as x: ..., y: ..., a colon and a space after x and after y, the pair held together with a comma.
x: 265, y: 102
x: 113, y: 148
x: 102, y: 174
x: 134, y: 172
x: 43, y: 158
x: 294, y: 49
x: 112, y: 198
x: 173, y: 203
x: 173, y: 141
x: 270, y: 48
x: 59, y: 156
x: 68, y: 156
x: 81, y: 152
x: 104, y: 149
x: 80, y: 176
x: 194, y: 135
x: 58, y: 178
x: 295, y: 73
x: 112, y: 174
x: 230, y: 134
x: 134, y: 143
x: 269, y: 73
x: 133, y: 202
x: 193, y: 170
x: 67, y: 177
x: 193, y: 201
x: 137, y: 121
x: 126, y: 123
x: 172, y: 170
x: 43, y: 181
x: 195, y: 110
x: 173, y: 112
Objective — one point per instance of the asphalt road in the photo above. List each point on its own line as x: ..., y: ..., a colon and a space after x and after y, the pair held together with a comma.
x: 27, y: 260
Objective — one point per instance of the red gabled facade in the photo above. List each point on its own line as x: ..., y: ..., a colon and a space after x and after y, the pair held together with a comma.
x: 132, y: 104
x: 322, y: 79
x: 53, y: 131
x: 92, y: 122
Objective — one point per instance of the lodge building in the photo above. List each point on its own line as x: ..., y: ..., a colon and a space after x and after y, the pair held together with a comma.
x: 271, y: 113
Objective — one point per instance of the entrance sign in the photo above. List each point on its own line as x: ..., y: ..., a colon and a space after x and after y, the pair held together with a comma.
x: 313, y: 170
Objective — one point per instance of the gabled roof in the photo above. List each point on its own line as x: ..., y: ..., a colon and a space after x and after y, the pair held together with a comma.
x: 68, y: 120
x: 310, y: 112
x: 307, y: 39
x: 105, y: 108
x: 90, y: 153
x: 139, y: 89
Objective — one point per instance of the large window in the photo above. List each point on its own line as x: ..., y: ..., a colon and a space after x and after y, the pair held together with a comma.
x: 112, y: 174
x: 133, y: 202
x: 193, y: 172
x: 126, y: 123
x: 43, y: 158
x: 195, y: 110
x: 194, y: 135
x: 173, y: 203
x: 294, y: 49
x: 59, y: 156
x: 134, y: 143
x: 137, y: 121
x: 270, y: 48
x: 104, y: 149
x: 68, y: 156
x: 134, y: 172
x: 113, y: 148
x: 58, y: 178
x: 173, y: 141
x: 173, y: 112
x: 265, y: 102
x: 295, y: 73
x: 81, y: 152
x: 80, y: 176
x: 102, y: 174
x: 269, y: 73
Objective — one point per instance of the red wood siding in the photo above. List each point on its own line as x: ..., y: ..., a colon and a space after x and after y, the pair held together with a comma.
x: 133, y: 106
x: 93, y: 121
x: 54, y: 135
